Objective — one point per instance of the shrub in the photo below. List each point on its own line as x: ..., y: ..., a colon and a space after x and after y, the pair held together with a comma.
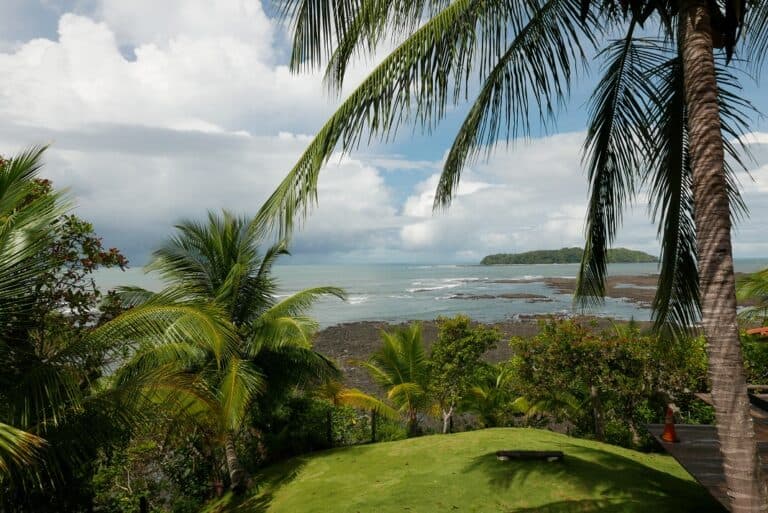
x: 606, y: 384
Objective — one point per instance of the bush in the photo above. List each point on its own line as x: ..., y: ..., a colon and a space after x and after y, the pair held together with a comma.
x: 607, y: 384
x: 755, y: 353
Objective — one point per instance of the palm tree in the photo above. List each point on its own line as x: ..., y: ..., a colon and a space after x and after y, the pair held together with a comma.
x: 491, y: 397
x: 755, y: 287
x: 657, y: 119
x: 400, y: 366
x: 51, y: 386
x: 691, y: 100
x: 215, y: 339
x: 23, y: 237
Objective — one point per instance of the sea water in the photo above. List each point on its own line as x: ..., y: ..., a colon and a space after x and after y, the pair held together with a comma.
x: 401, y: 292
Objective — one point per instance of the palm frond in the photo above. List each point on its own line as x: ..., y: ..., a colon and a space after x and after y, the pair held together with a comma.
x: 316, y: 25
x: 239, y: 384
x: 613, y: 152
x: 298, y: 303
x: 754, y: 287
x: 18, y: 449
x: 676, y: 304
x: 533, y: 74
x: 431, y: 68
x: 755, y: 35
x: 161, y: 320
x: 26, y: 225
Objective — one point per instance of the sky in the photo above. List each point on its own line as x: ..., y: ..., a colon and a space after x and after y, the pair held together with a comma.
x: 159, y: 111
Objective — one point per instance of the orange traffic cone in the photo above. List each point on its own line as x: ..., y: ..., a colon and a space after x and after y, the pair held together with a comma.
x: 669, y: 434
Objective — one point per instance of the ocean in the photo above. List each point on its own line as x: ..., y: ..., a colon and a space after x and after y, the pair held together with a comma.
x: 402, y: 292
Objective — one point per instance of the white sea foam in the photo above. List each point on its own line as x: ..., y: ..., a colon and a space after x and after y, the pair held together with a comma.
x: 356, y: 300
x: 436, y: 287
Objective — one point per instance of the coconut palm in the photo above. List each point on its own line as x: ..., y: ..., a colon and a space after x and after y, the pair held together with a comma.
x: 400, y: 367
x: 755, y: 288
x: 490, y: 398
x: 657, y: 120
x: 215, y: 339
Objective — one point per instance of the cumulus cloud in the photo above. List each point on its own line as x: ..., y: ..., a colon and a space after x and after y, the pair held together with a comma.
x: 530, y: 196
x: 188, y: 79
x: 158, y: 111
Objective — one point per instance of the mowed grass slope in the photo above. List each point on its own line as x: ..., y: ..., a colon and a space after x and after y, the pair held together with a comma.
x: 460, y: 473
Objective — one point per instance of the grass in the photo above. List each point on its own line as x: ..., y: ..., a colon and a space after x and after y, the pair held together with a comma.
x: 460, y: 473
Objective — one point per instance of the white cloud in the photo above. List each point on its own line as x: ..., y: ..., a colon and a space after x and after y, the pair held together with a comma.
x: 530, y: 196
x: 162, y: 110
x: 188, y: 79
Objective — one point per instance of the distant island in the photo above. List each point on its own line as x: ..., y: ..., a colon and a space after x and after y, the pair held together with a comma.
x: 566, y: 256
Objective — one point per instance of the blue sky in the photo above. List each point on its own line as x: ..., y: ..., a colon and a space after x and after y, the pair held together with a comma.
x: 158, y: 111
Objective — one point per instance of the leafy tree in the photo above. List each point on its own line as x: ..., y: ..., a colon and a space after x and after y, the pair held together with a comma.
x: 454, y: 362
x: 657, y: 118
x: 400, y: 366
x: 215, y: 341
x: 51, y: 388
x: 593, y: 379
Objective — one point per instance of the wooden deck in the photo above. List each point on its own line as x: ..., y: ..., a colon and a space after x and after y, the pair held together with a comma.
x: 698, y: 450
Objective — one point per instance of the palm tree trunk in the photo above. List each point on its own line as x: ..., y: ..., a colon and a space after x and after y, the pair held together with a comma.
x: 413, y: 423
x: 237, y: 475
x: 735, y: 432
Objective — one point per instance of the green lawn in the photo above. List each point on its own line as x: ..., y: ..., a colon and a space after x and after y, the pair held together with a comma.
x: 460, y: 473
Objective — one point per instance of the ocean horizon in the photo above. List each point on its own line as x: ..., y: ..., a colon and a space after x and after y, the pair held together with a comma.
x: 403, y: 292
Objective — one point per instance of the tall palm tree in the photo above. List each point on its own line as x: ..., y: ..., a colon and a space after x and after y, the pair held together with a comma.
x: 215, y: 339
x: 658, y: 117
x: 400, y: 367
x: 693, y: 109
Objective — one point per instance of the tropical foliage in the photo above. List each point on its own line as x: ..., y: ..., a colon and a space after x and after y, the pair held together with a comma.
x: 605, y: 384
x: 663, y: 117
x: 492, y: 396
x: 215, y: 339
x: 754, y: 290
x: 52, y: 387
x: 401, y: 367
x: 455, y: 362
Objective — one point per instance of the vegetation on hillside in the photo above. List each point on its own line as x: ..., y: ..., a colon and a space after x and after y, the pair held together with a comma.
x: 460, y: 472
x: 666, y: 117
x: 566, y: 256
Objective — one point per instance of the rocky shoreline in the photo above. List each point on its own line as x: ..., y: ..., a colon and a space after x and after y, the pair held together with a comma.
x: 350, y: 343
